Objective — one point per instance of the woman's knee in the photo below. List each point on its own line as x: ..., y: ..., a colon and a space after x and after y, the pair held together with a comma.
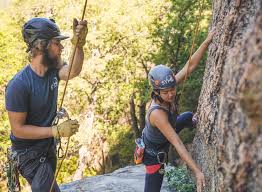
x: 185, y: 120
x: 187, y: 116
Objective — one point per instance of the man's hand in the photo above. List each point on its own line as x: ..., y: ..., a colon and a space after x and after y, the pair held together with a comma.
x: 80, y: 31
x: 200, y: 181
x: 65, y: 129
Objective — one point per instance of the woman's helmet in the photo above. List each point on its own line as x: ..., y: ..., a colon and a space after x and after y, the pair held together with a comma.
x: 161, y: 77
x: 42, y: 29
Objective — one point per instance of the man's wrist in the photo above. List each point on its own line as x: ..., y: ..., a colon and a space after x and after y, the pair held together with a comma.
x: 55, y: 132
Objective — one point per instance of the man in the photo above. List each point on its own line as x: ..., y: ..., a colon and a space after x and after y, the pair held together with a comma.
x: 31, y: 100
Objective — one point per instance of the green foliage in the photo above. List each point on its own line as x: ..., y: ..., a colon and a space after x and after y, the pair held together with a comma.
x: 175, y: 36
x: 69, y: 167
x: 179, y: 179
x: 122, y: 142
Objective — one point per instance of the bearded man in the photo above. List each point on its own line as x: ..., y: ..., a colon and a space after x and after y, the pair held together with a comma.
x: 31, y: 100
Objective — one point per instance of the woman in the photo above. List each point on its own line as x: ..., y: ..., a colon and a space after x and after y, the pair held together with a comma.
x: 162, y: 126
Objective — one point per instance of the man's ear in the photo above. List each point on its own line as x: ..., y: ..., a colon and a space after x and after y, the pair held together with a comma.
x: 41, y: 45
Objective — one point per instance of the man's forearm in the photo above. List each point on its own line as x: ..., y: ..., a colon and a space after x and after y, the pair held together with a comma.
x: 77, y: 62
x: 32, y: 132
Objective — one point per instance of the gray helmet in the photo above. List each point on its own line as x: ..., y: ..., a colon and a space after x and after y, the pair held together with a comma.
x: 41, y: 28
x: 161, y: 77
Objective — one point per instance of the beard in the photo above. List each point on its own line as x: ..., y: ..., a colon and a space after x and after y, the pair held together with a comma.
x: 49, y: 61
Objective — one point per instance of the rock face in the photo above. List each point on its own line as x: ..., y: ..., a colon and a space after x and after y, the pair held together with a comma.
x: 228, y: 143
x: 128, y: 179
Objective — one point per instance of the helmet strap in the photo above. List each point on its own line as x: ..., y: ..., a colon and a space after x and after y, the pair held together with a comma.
x: 156, y: 95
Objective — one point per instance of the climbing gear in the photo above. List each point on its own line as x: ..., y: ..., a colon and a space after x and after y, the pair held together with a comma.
x: 61, y: 114
x: 151, y: 169
x: 42, y: 29
x: 162, y: 159
x: 65, y: 129
x: 62, y: 100
x: 139, y: 151
x: 162, y: 170
x: 13, y: 183
x: 160, y: 155
x: 161, y: 77
x: 80, y: 35
x: 42, y: 159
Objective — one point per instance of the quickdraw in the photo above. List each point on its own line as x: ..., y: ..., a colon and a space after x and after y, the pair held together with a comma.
x: 61, y: 114
x: 12, y: 173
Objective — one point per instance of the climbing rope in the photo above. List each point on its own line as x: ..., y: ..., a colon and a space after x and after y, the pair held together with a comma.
x: 195, y: 34
x: 61, y: 104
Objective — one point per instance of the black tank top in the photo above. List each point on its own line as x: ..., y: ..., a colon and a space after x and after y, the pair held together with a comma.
x: 152, y: 136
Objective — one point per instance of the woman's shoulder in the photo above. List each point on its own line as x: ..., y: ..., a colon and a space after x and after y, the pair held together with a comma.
x: 158, y: 114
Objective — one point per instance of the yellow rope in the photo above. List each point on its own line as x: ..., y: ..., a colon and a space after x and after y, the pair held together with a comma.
x: 196, y: 34
x: 62, y: 100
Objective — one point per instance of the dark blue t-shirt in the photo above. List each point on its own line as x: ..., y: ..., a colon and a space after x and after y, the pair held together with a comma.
x: 36, y: 95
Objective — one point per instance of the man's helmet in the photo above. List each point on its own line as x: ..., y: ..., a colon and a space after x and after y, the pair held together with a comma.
x: 40, y: 28
x: 161, y: 77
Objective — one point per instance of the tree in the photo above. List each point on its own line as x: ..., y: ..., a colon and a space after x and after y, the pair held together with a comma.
x: 228, y: 143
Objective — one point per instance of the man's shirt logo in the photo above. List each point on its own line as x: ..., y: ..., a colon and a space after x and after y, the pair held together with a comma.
x: 54, y: 84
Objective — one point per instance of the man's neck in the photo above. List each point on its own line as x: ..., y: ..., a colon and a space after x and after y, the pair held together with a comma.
x: 38, y: 67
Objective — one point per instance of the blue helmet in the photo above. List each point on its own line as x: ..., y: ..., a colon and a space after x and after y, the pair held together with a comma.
x: 41, y: 28
x: 161, y: 77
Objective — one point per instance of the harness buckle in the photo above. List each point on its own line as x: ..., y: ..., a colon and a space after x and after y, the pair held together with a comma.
x: 42, y: 159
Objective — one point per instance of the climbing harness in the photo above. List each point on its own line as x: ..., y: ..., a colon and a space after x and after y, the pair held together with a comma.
x: 62, y: 112
x: 12, y: 173
x: 161, y: 157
